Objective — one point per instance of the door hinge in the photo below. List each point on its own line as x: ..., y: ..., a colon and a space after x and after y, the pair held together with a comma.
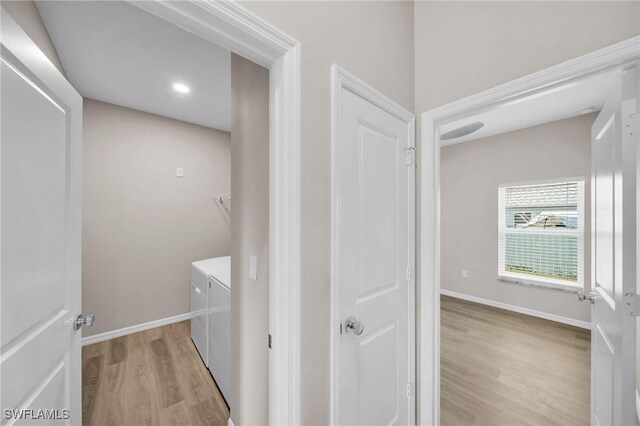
x: 632, y: 304
x: 632, y: 124
x: 409, y: 390
x: 269, y: 340
x: 410, y: 152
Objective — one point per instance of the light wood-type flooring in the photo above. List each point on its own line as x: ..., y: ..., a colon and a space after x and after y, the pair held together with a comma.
x: 154, y: 377
x: 503, y: 368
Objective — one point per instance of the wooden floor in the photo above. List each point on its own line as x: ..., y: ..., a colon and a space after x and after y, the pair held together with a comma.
x: 503, y: 368
x: 154, y: 377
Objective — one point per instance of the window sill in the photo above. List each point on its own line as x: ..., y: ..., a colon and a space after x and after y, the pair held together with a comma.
x: 554, y: 285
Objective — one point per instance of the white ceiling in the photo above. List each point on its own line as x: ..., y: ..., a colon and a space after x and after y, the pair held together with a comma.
x: 555, y: 104
x: 114, y: 52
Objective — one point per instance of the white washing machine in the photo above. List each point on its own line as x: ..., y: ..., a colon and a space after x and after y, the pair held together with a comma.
x: 211, y: 317
x: 220, y: 325
x: 200, y: 272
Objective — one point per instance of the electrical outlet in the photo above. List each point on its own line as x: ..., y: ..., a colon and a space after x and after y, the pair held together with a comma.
x: 465, y: 274
x: 180, y: 172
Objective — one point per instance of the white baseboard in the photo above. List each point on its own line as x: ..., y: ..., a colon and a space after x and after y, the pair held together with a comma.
x: 230, y: 423
x: 521, y: 310
x: 134, y: 329
x: 637, y: 405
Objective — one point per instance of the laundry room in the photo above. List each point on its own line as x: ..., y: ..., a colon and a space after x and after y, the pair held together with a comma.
x: 175, y: 207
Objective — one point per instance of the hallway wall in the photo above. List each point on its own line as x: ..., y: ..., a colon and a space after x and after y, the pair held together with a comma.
x: 374, y: 41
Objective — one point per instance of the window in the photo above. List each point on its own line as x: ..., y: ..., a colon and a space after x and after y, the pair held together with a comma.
x: 541, y: 230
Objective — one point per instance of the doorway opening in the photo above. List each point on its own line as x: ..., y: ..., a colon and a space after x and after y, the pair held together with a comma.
x: 271, y: 258
x: 508, y: 243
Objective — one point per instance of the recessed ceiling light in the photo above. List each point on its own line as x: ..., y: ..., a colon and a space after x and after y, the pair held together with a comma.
x: 587, y: 110
x: 181, y: 88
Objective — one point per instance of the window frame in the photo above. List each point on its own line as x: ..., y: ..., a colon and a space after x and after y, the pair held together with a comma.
x: 533, y: 280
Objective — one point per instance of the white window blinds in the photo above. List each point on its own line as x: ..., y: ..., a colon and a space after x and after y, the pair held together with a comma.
x: 541, y: 232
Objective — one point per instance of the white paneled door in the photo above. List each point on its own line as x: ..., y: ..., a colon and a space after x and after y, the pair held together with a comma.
x: 613, y: 190
x: 41, y: 116
x: 373, y: 243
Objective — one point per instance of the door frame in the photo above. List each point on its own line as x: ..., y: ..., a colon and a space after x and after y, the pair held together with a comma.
x: 619, y: 55
x: 342, y: 79
x: 232, y: 26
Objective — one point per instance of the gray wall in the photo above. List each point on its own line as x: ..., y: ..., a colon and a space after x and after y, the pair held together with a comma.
x: 25, y: 13
x: 250, y: 236
x: 373, y: 40
x: 143, y: 226
x: 470, y: 175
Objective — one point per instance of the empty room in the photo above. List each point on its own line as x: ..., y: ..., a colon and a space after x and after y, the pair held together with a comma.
x: 304, y: 212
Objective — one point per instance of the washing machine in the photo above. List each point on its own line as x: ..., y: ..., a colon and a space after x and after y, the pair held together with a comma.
x: 220, y: 325
x: 211, y: 317
x: 200, y: 272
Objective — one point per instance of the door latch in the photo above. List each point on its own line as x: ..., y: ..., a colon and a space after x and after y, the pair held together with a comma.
x: 632, y: 304
x: 410, y: 153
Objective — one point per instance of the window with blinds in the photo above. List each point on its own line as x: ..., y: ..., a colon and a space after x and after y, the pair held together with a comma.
x: 541, y: 232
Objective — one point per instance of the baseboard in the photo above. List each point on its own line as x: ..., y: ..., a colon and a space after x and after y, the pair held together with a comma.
x: 230, y: 423
x: 134, y: 329
x: 637, y: 405
x: 521, y: 310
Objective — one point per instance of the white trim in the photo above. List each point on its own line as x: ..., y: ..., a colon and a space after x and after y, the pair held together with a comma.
x: 342, y: 79
x: 638, y: 405
x: 230, y: 422
x: 108, y: 335
x: 531, y: 280
x: 230, y: 25
x: 518, y: 309
x: 622, y: 54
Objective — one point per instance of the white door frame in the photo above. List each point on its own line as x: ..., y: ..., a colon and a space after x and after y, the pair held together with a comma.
x: 342, y: 79
x: 622, y: 54
x: 232, y: 26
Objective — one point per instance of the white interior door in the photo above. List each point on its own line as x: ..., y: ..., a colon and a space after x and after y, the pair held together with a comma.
x: 40, y: 366
x: 613, y: 200
x: 373, y: 175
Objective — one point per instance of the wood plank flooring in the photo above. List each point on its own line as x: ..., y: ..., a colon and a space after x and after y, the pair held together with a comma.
x: 154, y: 377
x: 503, y: 368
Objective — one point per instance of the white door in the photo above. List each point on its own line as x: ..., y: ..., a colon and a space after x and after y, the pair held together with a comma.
x: 613, y: 199
x: 40, y: 365
x: 373, y: 243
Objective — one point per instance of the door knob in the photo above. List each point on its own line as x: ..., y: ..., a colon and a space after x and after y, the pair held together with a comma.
x: 81, y: 320
x: 352, y: 325
x: 591, y: 297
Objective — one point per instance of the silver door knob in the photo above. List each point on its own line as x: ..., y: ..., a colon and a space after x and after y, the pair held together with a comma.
x: 591, y: 297
x: 352, y: 325
x: 82, y: 320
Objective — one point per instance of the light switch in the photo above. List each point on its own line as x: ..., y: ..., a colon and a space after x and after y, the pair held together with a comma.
x: 253, y: 268
x: 180, y: 172
x: 465, y: 274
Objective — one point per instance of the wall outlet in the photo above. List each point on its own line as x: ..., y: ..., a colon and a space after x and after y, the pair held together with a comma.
x: 253, y: 268
x: 465, y: 274
x: 180, y: 172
